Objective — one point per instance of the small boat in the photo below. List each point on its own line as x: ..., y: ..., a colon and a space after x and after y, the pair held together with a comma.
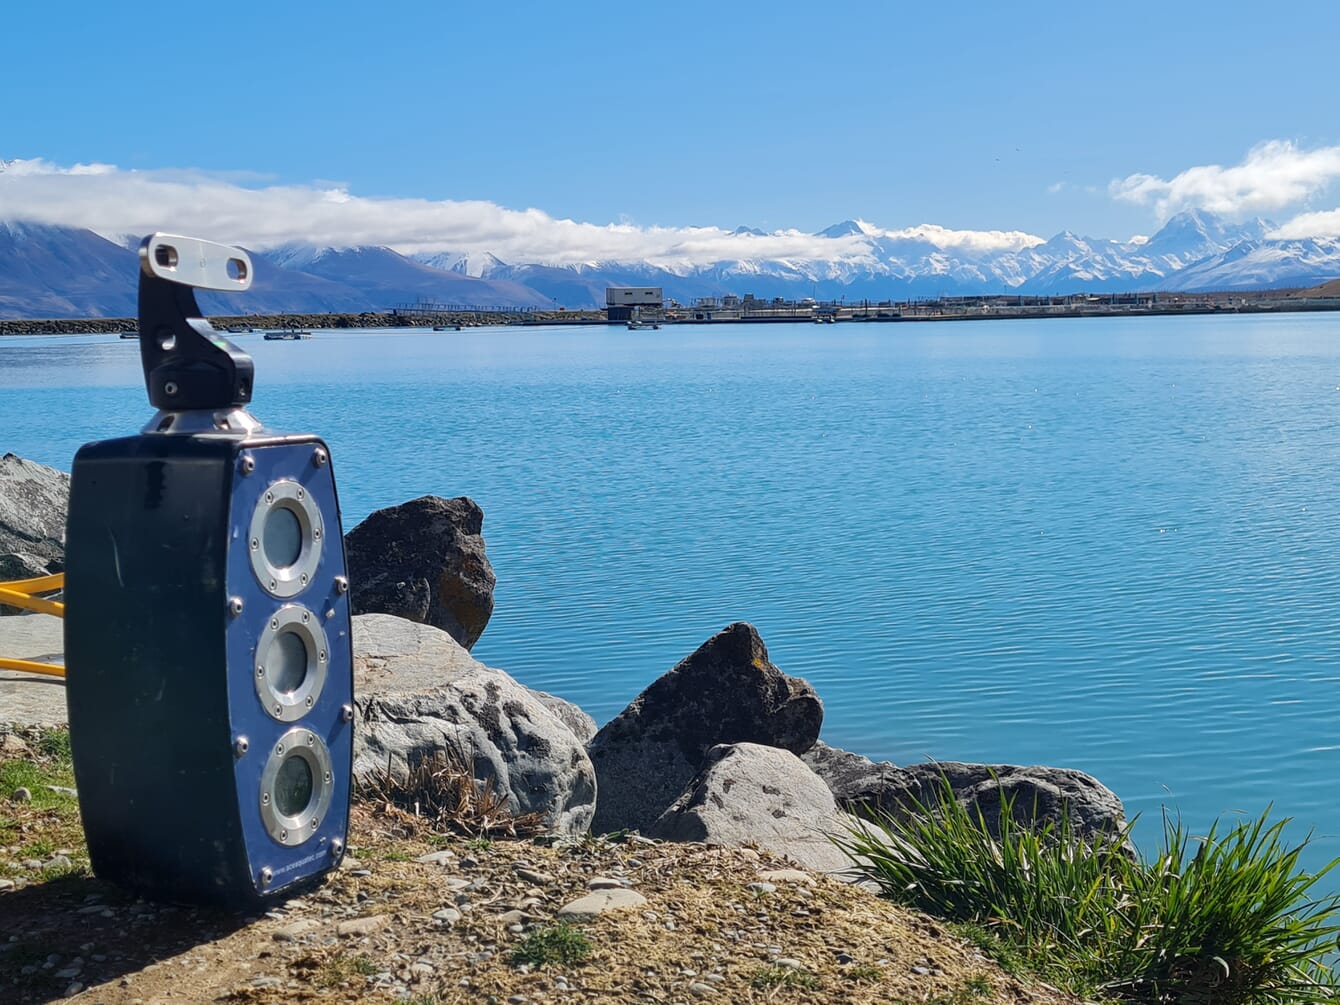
x: 287, y: 335
x: 446, y: 328
x: 636, y: 324
x: 128, y: 335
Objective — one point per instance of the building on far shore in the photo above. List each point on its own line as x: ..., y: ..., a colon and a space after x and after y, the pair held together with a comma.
x: 621, y: 302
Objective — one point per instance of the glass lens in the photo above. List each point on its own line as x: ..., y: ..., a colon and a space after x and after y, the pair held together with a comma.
x: 286, y: 662
x: 293, y: 786
x: 282, y: 537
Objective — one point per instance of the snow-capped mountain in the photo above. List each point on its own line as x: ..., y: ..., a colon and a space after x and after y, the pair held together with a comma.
x: 476, y: 264
x: 1262, y: 264
x: 62, y: 272
x: 387, y: 278
x: 49, y: 271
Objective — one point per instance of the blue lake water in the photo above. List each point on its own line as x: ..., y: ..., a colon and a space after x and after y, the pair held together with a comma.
x: 1112, y: 545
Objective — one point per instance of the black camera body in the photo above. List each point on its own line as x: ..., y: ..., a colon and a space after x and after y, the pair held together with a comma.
x: 209, y: 671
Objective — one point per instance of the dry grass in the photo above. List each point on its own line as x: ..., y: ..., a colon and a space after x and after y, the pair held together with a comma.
x: 440, y: 792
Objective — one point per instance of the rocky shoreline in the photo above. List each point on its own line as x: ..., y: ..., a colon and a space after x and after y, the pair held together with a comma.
x: 689, y: 838
x: 723, y: 748
x: 261, y: 322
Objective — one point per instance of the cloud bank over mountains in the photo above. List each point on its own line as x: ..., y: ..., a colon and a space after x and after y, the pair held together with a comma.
x: 112, y: 202
x: 1275, y: 175
x: 66, y: 235
x: 254, y: 211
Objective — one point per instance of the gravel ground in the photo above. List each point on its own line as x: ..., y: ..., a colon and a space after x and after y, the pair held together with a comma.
x: 426, y: 918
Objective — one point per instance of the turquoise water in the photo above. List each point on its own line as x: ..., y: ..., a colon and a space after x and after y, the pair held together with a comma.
x: 1112, y: 545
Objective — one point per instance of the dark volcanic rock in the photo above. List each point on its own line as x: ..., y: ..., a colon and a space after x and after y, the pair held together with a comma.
x: 33, y: 502
x: 852, y: 778
x: 726, y: 692
x: 1037, y: 795
x: 424, y: 561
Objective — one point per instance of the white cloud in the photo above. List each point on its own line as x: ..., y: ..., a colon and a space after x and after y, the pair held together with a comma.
x: 1273, y: 175
x: 966, y: 240
x: 247, y: 210
x: 1321, y: 224
x: 37, y: 166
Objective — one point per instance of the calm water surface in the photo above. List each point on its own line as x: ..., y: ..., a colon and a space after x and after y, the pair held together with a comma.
x: 1109, y: 545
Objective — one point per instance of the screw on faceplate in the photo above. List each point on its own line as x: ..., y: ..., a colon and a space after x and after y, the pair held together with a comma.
x: 170, y: 388
x: 234, y: 606
x: 341, y: 584
x: 336, y: 847
x: 267, y: 876
x: 347, y: 713
x: 247, y: 464
x: 241, y: 745
x: 320, y: 457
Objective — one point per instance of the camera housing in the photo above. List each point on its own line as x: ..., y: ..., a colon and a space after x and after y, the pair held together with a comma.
x: 209, y: 665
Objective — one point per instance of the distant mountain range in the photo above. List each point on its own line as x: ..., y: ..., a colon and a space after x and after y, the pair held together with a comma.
x: 60, y: 272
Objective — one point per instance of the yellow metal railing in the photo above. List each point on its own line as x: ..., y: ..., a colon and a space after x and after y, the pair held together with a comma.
x: 24, y: 593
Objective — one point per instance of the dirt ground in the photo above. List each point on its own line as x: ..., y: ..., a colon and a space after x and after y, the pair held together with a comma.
x: 426, y: 918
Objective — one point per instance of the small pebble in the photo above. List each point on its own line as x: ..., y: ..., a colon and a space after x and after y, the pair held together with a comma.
x: 787, y: 876
x: 363, y: 926
x: 532, y: 876
x: 291, y: 931
x: 437, y: 857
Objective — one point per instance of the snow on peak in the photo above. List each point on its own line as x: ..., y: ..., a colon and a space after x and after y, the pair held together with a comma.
x: 847, y: 228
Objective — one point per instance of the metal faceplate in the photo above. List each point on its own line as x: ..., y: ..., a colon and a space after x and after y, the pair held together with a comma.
x: 290, y: 667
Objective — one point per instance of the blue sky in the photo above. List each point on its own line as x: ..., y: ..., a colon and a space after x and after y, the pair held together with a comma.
x: 427, y: 125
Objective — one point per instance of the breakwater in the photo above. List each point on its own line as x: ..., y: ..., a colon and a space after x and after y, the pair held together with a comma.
x: 732, y: 311
x: 266, y: 322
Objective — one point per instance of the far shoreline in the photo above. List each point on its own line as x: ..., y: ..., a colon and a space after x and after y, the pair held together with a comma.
x: 731, y: 311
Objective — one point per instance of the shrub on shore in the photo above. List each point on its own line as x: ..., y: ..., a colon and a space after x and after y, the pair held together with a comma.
x: 1226, y: 918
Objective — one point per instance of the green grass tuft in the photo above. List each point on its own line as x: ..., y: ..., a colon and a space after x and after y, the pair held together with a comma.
x: 562, y: 944
x: 783, y: 977
x: 55, y: 744
x: 1227, y: 918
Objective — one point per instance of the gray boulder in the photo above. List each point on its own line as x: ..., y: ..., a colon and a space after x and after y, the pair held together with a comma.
x: 34, y: 500
x: 852, y: 778
x: 751, y: 794
x: 577, y: 720
x: 424, y: 561
x: 418, y: 693
x: 1037, y: 795
x: 725, y: 692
